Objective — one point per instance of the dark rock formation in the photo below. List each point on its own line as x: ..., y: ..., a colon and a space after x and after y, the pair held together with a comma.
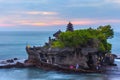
x: 11, y: 63
x: 86, y: 58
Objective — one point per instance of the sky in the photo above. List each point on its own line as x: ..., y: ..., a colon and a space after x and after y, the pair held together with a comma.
x: 48, y: 15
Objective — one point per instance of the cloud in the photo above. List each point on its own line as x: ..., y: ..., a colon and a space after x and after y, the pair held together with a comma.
x: 40, y: 13
x: 92, y: 3
x: 85, y: 3
x: 59, y: 22
x: 113, y: 1
x: 95, y: 21
x: 6, y: 25
x: 58, y: 12
x: 40, y: 23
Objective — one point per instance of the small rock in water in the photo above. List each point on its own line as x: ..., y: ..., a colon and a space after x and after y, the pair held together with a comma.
x: 15, y: 58
x: 10, y: 61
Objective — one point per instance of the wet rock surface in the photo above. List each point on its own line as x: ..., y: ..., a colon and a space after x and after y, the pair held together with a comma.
x: 14, y: 63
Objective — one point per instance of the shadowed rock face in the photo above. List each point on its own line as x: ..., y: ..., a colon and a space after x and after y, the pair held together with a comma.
x: 86, y: 58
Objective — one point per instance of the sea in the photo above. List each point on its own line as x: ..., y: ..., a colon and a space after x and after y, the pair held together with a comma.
x: 13, y: 43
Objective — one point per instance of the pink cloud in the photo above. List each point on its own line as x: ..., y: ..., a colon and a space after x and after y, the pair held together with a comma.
x: 95, y: 21
x: 62, y: 22
x: 57, y: 22
x: 6, y: 25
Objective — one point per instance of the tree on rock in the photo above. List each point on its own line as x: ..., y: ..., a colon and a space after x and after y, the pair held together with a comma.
x: 107, y: 31
x: 96, y: 38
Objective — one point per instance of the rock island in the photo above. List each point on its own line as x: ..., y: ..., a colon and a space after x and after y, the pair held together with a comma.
x: 84, y: 50
x: 79, y: 51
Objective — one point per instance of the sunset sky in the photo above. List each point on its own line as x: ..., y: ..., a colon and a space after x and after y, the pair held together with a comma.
x: 53, y: 14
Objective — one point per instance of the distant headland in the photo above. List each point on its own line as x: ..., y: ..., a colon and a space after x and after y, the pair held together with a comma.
x: 79, y: 51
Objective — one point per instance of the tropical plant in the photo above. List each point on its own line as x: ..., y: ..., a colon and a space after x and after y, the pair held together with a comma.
x: 81, y: 38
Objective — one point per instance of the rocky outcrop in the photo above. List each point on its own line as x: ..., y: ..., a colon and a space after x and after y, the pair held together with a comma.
x: 33, y: 54
x: 14, y: 63
x: 87, y: 58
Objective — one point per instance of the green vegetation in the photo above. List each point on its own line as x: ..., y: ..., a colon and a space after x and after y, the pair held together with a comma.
x: 86, y: 37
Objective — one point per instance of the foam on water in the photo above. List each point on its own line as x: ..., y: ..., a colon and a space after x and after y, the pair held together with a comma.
x: 118, y: 60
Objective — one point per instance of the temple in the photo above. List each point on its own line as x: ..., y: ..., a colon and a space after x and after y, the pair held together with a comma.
x: 86, y: 58
x: 70, y: 27
x: 57, y: 33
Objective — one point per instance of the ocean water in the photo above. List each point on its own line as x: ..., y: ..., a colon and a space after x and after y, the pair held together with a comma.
x: 12, y: 44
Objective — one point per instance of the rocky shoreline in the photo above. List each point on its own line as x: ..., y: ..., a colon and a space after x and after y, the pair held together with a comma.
x: 17, y: 63
x: 14, y: 63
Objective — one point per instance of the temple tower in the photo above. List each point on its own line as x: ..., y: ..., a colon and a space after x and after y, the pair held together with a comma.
x: 70, y: 27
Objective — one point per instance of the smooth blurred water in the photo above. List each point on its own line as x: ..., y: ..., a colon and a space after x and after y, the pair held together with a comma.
x: 115, y: 43
x: 12, y: 44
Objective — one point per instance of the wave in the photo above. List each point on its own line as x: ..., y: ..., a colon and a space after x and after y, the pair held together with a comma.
x: 118, y: 60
